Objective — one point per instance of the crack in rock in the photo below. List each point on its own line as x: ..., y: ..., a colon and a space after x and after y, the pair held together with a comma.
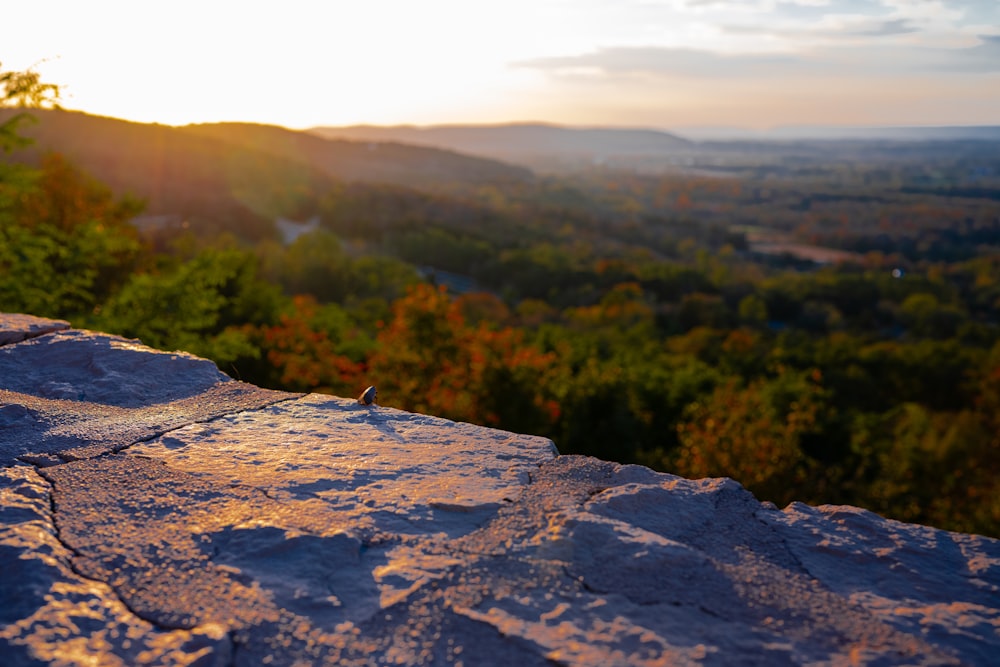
x: 77, y: 430
x: 75, y: 556
x: 50, y: 612
x: 15, y: 327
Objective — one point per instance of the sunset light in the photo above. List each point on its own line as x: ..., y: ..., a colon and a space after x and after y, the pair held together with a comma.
x: 451, y: 332
x: 666, y: 63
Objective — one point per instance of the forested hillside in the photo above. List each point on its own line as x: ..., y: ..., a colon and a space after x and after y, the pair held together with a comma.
x: 675, y: 318
x: 367, y: 160
x: 238, y: 178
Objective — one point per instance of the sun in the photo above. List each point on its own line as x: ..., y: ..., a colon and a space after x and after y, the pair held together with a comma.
x: 307, y: 64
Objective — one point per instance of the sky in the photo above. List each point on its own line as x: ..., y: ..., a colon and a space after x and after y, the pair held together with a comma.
x: 667, y: 64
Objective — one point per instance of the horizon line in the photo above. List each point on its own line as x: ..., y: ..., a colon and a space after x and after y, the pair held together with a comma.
x: 558, y: 125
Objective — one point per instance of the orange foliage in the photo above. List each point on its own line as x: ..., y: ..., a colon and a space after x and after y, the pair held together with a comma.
x: 751, y: 434
x: 431, y: 359
x: 623, y: 306
x: 65, y: 197
x: 304, y: 355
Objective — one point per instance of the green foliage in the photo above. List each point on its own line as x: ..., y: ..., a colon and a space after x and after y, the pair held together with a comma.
x: 753, y: 310
x: 443, y: 249
x: 60, y: 274
x: 317, y: 264
x: 22, y: 90
x: 196, y: 306
x: 926, y: 316
x: 755, y: 433
x: 65, y: 241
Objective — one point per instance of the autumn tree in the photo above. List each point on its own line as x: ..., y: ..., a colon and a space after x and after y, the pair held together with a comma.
x: 431, y: 359
x: 754, y: 433
x: 312, y: 347
x: 66, y: 243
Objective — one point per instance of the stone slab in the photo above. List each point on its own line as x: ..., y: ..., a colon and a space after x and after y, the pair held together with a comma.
x: 77, y: 394
x: 15, y: 327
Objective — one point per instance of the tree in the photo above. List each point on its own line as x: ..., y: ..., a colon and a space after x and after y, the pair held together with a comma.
x: 755, y: 434
x: 753, y: 310
x: 312, y: 347
x: 431, y: 359
x: 198, y: 306
x: 22, y: 90
x: 316, y: 264
x: 66, y: 243
x: 926, y: 316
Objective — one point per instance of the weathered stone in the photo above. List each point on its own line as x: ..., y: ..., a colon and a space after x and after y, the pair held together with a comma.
x: 77, y: 394
x: 15, y: 327
x: 245, y: 528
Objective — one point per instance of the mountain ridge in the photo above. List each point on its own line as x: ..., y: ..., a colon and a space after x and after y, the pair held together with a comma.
x: 358, y: 160
x: 523, y: 143
x: 239, y: 177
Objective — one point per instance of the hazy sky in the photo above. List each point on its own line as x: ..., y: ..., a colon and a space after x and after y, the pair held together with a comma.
x: 653, y: 63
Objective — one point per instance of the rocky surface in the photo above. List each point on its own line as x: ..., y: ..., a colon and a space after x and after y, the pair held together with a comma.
x: 154, y: 512
x: 15, y: 327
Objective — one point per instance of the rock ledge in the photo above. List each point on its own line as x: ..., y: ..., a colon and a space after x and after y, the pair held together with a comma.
x: 155, y: 512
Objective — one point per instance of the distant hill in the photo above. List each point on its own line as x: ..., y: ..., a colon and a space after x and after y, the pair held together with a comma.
x: 825, y: 133
x: 364, y: 160
x: 238, y: 177
x: 530, y: 144
x: 214, y: 184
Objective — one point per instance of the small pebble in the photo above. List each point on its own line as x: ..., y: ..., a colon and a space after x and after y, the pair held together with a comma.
x: 367, y: 397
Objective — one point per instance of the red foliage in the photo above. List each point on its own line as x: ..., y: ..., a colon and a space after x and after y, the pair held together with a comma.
x: 430, y: 358
x: 304, y: 356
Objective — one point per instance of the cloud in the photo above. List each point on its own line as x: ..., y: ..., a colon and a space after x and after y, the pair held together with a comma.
x: 982, y: 58
x: 982, y: 12
x: 791, y: 9
x: 626, y: 62
x: 854, y: 61
x: 814, y: 11
x: 850, y: 60
x: 885, y: 28
x: 831, y: 32
x: 833, y: 28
